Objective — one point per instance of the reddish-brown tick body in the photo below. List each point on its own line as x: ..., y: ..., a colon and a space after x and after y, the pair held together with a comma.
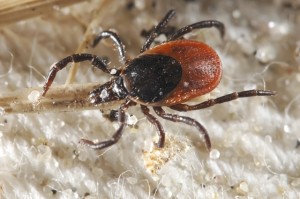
x: 201, y: 69
x: 165, y: 75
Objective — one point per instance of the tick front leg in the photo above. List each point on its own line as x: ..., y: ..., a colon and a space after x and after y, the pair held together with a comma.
x: 115, y: 38
x: 222, y: 99
x: 157, y: 124
x: 116, y: 136
x: 187, y: 120
x: 95, y: 61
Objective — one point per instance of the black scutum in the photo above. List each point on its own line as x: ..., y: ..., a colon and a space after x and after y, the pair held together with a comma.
x: 152, y: 77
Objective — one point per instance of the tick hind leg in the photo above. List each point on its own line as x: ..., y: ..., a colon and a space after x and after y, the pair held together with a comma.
x: 95, y: 61
x: 222, y: 99
x: 157, y: 30
x: 182, y: 31
x: 187, y: 120
x: 199, y: 25
x: 157, y: 124
x: 115, y: 38
x: 116, y: 136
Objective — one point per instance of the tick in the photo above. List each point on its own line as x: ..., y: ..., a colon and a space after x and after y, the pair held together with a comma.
x: 166, y: 75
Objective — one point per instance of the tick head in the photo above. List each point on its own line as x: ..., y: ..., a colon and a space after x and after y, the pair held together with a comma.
x: 110, y: 91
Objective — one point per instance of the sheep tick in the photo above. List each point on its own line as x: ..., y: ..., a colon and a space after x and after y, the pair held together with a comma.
x: 166, y: 75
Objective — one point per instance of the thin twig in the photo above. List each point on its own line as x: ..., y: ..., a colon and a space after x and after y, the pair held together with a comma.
x: 58, y: 98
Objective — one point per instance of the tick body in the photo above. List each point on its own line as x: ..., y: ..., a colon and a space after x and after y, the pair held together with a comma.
x: 197, y: 68
x: 166, y: 75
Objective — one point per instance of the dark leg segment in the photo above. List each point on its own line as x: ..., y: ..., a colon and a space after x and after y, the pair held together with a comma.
x: 199, y: 25
x: 176, y: 118
x: 225, y: 98
x: 115, y: 38
x: 179, y: 33
x: 114, y: 114
x: 156, y: 123
x: 95, y: 61
x: 156, y: 31
x: 115, y: 138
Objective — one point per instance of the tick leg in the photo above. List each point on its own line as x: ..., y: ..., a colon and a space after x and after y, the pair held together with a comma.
x: 115, y: 38
x: 95, y: 61
x: 187, y: 120
x: 114, y: 114
x: 157, y: 29
x: 157, y: 124
x: 116, y: 136
x: 199, y: 25
x: 222, y: 99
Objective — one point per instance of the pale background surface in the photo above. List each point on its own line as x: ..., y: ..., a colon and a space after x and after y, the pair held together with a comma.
x: 256, y: 137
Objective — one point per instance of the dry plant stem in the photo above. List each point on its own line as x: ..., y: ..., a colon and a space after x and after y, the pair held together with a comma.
x: 100, y: 12
x: 15, y: 10
x: 59, y: 98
